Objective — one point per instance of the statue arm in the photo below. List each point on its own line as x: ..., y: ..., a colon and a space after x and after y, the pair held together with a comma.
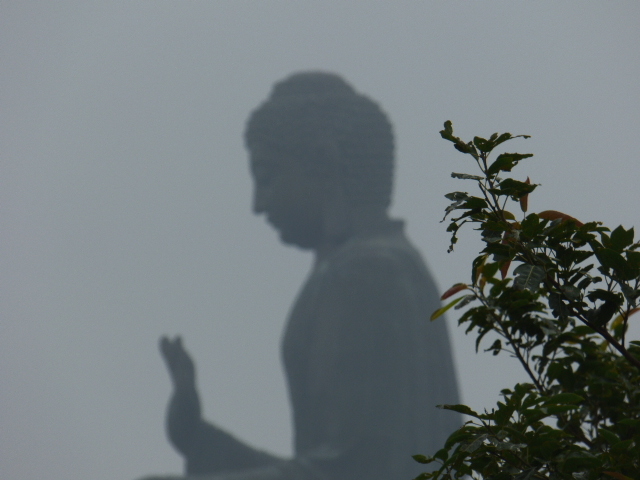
x: 355, y: 423
x: 363, y: 413
x: 205, y: 447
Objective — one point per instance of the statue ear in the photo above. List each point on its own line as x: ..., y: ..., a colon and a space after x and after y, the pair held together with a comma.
x: 327, y: 157
x: 338, y: 215
x: 337, y: 211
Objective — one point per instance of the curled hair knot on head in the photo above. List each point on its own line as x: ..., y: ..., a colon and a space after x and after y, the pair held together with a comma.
x: 316, y: 117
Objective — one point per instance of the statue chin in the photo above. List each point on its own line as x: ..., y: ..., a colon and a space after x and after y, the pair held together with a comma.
x: 297, y: 241
x: 297, y: 235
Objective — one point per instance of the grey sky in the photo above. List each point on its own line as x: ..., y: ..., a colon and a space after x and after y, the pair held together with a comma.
x: 125, y: 193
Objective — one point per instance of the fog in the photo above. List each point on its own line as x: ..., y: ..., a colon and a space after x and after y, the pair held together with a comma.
x: 125, y: 196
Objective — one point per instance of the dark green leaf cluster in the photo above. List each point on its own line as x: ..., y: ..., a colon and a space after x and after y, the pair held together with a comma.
x: 558, y: 294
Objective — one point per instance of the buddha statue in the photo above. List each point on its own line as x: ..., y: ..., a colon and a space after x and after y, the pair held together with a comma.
x: 365, y: 367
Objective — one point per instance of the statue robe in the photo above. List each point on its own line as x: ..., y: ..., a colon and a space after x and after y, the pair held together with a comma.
x: 365, y: 369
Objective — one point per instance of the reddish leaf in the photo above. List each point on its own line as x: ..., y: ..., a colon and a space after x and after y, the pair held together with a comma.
x: 506, y: 238
x: 504, y: 269
x: 554, y: 215
x: 619, y: 320
x: 453, y: 290
x: 524, y: 200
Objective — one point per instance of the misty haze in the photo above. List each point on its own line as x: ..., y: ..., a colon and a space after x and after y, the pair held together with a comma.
x: 127, y: 195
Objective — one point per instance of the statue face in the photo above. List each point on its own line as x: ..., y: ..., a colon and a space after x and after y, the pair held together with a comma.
x: 290, y: 198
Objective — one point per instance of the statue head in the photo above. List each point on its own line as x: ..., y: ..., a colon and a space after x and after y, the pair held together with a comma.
x: 314, y: 142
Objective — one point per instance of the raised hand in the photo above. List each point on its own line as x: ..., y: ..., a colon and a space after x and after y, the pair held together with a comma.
x: 179, y: 363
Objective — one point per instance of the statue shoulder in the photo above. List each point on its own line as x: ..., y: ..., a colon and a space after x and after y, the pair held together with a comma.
x: 390, y: 254
x: 379, y: 268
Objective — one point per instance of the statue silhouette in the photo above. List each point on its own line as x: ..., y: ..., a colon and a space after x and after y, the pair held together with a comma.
x: 365, y: 367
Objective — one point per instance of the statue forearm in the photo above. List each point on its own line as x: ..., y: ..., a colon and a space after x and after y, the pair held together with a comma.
x: 184, y: 419
x: 205, y: 447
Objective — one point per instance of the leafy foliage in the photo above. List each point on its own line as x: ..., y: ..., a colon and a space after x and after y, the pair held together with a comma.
x: 563, y: 313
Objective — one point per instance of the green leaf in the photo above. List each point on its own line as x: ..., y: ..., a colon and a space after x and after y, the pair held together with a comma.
x: 499, y: 251
x: 528, y: 277
x: 604, y: 295
x: 466, y: 176
x: 491, y: 236
x: 426, y: 476
x: 455, y: 196
x: 622, y: 446
x: 571, y: 292
x: 442, y: 310
x: 473, y: 446
x: 611, y: 259
x: 507, y: 136
x: 504, y: 413
x: 477, y: 267
x: 423, y: 459
x: 495, y: 347
x: 483, y: 144
x: 621, y: 238
x: 527, y: 474
x: 447, y: 134
x: 513, y: 188
x: 502, y: 138
x: 617, y: 476
x: 454, y: 206
x: 466, y: 300
x: 448, y: 129
x: 502, y: 476
x: 458, y: 436
x: 580, y: 460
x: 531, y: 225
x: 507, y: 446
x: 609, y: 436
x: 564, y: 398
x: 460, y: 409
x: 442, y: 454
x: 506, y: 161
x: 473, y: 203
x: 557, y: 409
